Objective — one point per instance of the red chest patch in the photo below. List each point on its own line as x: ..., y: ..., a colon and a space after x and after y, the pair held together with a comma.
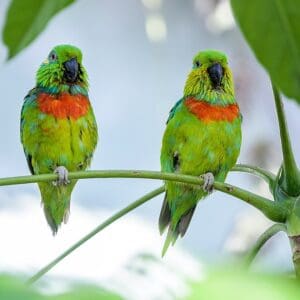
x: 207, y: 112
x: 63, y: 105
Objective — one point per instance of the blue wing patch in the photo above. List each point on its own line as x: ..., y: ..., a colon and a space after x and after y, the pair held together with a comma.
x: 173, y: 110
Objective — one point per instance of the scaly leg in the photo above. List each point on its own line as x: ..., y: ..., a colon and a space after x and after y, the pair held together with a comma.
x: 208, y: 182
x: 62, y: 173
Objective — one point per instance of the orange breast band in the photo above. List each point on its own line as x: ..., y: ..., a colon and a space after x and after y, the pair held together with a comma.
x: 63, y: 105
x: 207, y: 112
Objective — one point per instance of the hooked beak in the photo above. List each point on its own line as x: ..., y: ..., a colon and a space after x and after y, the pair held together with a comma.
x: 71, y: 70
x: 215, y: 73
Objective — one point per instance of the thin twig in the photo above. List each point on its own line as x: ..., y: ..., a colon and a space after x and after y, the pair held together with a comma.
x: 268, y: 176
x: 270, y: 232
x: 98, y: 229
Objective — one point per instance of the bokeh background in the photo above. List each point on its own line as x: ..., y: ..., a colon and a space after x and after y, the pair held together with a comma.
x: 138, y: 54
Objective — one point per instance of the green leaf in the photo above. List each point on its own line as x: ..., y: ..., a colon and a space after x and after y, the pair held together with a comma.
x: 272, y: 28
x: 26, y: 19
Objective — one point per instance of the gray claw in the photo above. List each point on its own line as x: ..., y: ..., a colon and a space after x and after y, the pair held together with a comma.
x: 62, y: 173
x: 208, y: 182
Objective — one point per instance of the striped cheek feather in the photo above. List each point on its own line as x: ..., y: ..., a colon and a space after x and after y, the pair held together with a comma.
x: 64, y: 105
x: 209, y: 113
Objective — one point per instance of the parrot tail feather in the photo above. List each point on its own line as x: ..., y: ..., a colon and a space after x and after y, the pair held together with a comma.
x: 50, y: 220
x: 180, y: 229
x: 67, y: 214
x: 185, y: 222
x: 56, y: 202
x: 165, y: 216
x: 170, y: 239
x: 55, y: 216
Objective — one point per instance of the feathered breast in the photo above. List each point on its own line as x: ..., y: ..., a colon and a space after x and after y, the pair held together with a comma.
x: 64, y: 105
x: 207, y: 112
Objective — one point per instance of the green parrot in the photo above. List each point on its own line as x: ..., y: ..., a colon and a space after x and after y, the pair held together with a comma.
x: 202, y: 138
x: 58, y: 128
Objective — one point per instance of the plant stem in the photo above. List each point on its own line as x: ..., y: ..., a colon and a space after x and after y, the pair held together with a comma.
x: 291, y: 176
x: 99, y: 228
x: 293, y: 231
x: 269, y: 177
x: 274, y: 211
x: 295, y: 247
x: 270, y: 232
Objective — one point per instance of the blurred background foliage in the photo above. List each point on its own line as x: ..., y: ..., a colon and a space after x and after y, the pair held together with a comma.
x: 233, y: 285
x: 12, y: 288
x: 272, y: 30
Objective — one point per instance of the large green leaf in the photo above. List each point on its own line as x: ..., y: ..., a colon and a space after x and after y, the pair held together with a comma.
x: 26, y: 19
x: 272, y: 28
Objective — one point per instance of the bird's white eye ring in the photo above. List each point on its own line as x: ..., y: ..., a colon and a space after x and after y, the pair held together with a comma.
x: 52, y: 56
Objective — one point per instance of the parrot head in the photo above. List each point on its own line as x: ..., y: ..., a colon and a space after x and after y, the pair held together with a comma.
x: 62, y: 68
x: 210, y: 79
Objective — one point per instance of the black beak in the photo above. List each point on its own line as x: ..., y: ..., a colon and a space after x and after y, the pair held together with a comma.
x: 215, y: 73
x: 71, y: 70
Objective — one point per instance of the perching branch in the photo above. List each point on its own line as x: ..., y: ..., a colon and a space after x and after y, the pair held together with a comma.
x: 291, y: 175
x: 267, y: 176
x: 271, y: 209
x: 270, y: 232
x: 99, y: 228
x: 274, y: 211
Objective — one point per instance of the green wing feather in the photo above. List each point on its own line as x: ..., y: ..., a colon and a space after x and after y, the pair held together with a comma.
x: 29, y: 99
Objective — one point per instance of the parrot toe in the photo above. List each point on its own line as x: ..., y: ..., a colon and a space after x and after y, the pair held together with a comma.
x: 208, y: 182
x: 62, y: 173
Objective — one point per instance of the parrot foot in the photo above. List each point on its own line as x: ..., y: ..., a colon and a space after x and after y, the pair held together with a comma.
x: 208, y: 182
x: 62, y: 173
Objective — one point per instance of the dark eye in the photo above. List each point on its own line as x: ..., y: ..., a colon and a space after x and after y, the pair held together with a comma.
x: 197, y: 64
x: 52, y: 56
